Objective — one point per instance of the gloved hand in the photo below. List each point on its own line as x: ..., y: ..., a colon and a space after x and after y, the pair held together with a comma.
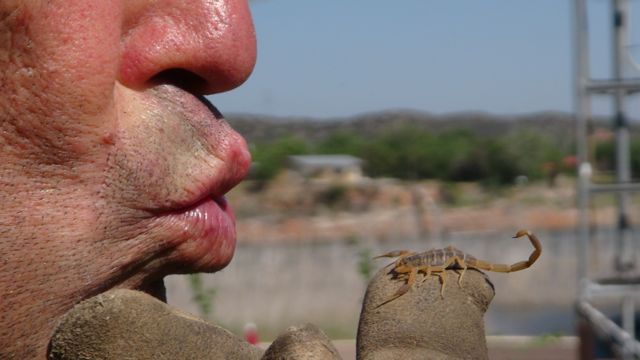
x: 421, y: 324
x: 125, y: 324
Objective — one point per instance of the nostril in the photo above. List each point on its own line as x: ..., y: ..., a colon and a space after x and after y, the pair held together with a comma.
x: 181, y: 78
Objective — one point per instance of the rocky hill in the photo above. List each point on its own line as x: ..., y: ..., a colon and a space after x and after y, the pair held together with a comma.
x: 259, y: 128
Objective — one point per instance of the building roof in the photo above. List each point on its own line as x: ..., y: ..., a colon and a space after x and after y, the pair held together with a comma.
x: 323, y: 161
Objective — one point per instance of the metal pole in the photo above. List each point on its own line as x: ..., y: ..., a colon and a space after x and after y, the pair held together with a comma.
x: 608, y: 330
x: 624, y: 258
x: 629, y: 316
x: 582, y: 106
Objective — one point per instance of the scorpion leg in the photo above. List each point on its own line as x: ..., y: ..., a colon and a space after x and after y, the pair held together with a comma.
x: 404, y: 288
x: 453, y: 263
x: 393, y: 254
x: 400, y: 254
x: 463, y: 265
x: 461, y: 275
x: 443, y: 282
x: 439, y: 270
x: 427, y: 271
x: 412, y: 278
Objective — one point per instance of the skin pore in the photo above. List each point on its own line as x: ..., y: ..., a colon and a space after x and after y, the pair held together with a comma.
x: 109, y: 154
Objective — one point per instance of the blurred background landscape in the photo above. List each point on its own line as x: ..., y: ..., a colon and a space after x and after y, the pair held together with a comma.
x: 377, y: 126
x: 306, y: 238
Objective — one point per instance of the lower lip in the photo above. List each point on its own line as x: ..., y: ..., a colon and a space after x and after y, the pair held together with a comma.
x: 212, y: 221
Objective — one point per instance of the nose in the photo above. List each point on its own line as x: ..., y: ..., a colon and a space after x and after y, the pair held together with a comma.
x: 204, y: 46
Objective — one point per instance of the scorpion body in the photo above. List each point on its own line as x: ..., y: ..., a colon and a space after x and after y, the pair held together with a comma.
x: 436, y: 261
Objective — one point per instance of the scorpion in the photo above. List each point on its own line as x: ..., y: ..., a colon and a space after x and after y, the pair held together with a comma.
x: 436, y: 261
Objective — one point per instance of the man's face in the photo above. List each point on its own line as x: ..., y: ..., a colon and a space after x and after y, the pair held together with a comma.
x: 113, y: 167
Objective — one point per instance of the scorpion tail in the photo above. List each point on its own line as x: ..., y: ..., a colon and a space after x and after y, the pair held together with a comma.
x: 537, y: 249
x: 521, y: 265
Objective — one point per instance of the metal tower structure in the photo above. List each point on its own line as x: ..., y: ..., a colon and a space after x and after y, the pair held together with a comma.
x: 624, y: 286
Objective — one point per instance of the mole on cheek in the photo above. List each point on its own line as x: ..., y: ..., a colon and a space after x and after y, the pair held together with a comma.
x: 108, y: 139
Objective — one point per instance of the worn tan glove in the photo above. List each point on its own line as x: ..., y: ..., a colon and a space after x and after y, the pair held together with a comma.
x: 125, y: 324
x: 421, y: 324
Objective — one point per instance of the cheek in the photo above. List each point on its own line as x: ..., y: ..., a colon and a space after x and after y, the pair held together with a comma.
x: 76, y: 46
x: 60, y: 75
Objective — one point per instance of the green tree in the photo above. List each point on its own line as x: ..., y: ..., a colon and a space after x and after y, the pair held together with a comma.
x: 270, y: 157
x: 530, y: 149
x: 409, y: 152
x: 341, y: 142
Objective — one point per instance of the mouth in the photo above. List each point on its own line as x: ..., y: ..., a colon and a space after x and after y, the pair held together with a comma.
x: 198, y: 217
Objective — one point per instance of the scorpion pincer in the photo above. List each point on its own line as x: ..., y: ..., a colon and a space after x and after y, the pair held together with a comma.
x: 436, y: 261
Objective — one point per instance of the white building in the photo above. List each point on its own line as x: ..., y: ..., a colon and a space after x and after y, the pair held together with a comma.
x: 344, y: 168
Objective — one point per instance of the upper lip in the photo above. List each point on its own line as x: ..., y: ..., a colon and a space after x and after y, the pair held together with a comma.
x: 237, y: 162
x: 214, y: 187
x: 231, y: 149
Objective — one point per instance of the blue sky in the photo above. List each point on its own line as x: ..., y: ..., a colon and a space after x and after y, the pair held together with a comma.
x: 338, y: 58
